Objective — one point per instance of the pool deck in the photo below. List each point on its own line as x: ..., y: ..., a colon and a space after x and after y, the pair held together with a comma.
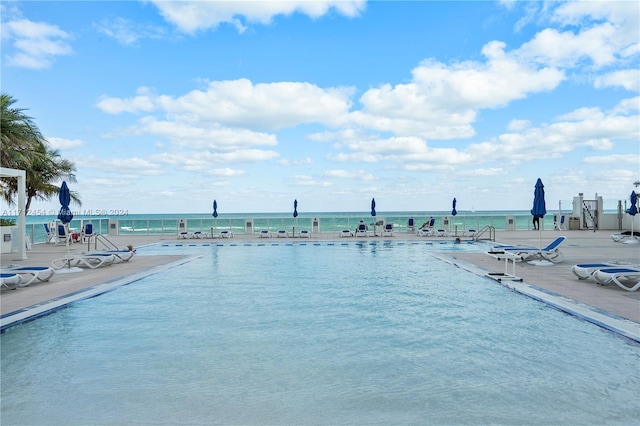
x: 557, y: 280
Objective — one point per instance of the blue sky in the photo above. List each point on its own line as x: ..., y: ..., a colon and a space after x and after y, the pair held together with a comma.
x: 165, y: 106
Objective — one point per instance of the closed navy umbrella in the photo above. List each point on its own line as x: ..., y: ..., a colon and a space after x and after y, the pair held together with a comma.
x: 633, y: 210
x: 454, y: 211
x: 64, y: 195
x: 65, y: 216
x: 215, y: 208
x: 373, y: 207
x: 539, y: 206
x: 295, y: 208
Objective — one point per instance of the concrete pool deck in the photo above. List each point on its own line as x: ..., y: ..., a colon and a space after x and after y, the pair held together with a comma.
x: 580, y: 247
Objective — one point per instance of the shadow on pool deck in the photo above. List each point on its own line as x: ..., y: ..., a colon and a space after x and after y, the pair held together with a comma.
x: 580, y: 247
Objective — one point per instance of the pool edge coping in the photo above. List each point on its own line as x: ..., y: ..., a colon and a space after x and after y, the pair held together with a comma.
x: 611, y: 322
x: 37, y: 310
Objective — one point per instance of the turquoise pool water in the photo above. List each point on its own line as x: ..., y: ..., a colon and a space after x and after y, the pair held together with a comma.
x: 306, y: 334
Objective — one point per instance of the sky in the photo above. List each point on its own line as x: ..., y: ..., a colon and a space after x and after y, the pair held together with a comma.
x: 165, y: 106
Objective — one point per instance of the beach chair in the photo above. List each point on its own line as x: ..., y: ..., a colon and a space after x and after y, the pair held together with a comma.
x: 226, y: 234
x: 87, y: 233
x: 63, y: 236
x: 551, y: 252
x: 625, y: 236
x: 282, y: 234
x: 625, y: 278
x: 10, y: 280
x: 585, y: 271
x: 305, y: 234
x: 29, y: 274
x: 387, y: 231
x: 185, y: 235
x: 411, y: 225
x: 361, y: 230
x: 119, y: 255
x: 560, y: 226
x: 469, y: 233
x: 346, y: 233
x: 441, y: 233
x: 49, y: 229
x: 88, y: 260
x: 265, y: 233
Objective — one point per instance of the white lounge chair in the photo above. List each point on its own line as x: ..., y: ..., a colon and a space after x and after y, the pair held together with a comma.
x: 550, y: 252
x: 29, y: 274
x: 625, y: 278
x: 10, y: 280
x: 88, y: 233
x: 185, y: 235
x: 226, y: 234
x: 560, y: 226
x: 265, y: 233
x: 63, y: 235
x: 305, y: 234
x: 584, y: 271
x: 119, y: 256
x: 282, y: 234
x: 411, y: 225
x: 469, y: 233
x: 49, y: 229
x: 624, y: 236
x: 387, y: 231
x: 361, y: 230
x: 200, y: 235
x: 89, y: 260
x: 426, y: 230
x: 346, y: 233
x: 441, y: 233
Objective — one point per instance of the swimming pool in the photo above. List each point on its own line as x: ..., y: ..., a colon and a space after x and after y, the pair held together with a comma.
x: 306, y: 334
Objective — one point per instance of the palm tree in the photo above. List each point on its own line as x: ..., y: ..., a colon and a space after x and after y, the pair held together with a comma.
x: 18, y: 133
x: 25, y: 148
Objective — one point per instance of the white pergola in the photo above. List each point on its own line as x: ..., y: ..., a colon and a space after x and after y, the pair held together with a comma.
x: 22, y: 204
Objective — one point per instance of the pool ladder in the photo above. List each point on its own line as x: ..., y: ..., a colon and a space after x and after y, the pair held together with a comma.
x: 484, y: 230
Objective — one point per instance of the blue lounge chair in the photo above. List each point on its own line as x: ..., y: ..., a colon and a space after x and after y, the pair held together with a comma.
x: 49, y: 229
x: 88, y: 260
x: 63, y: 236
x: 361, y: 229
x: 387, y: 231
x: 585, y: 271
x: 550, y: 252
x: 625, y: 278
x: 29, y: 274
x: 87, y: 233
x: 411, y: 225
x: 10, y: 280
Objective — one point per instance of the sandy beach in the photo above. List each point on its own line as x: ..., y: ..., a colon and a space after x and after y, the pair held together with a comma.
x: 580, y: 247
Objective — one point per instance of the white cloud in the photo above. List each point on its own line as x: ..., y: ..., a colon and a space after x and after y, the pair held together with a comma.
x: 607, y: 34
x: 61, y: 143
x: 627, y: 79
x: 35, y: 44
x: 127, y: 32
x: 442, y: 100
x: 345, y: 174
x: 632, y: 159
x: 192, y: 16
x: 240, y: 102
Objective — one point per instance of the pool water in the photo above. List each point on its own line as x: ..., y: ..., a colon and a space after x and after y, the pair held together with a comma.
x: 291, y: 334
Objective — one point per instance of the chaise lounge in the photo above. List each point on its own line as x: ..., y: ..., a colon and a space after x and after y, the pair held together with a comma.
x: 10, y: 280
x: 89, y: 260
x: 625, y: 278
x: 29, y: 274
x: 551, y: 252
